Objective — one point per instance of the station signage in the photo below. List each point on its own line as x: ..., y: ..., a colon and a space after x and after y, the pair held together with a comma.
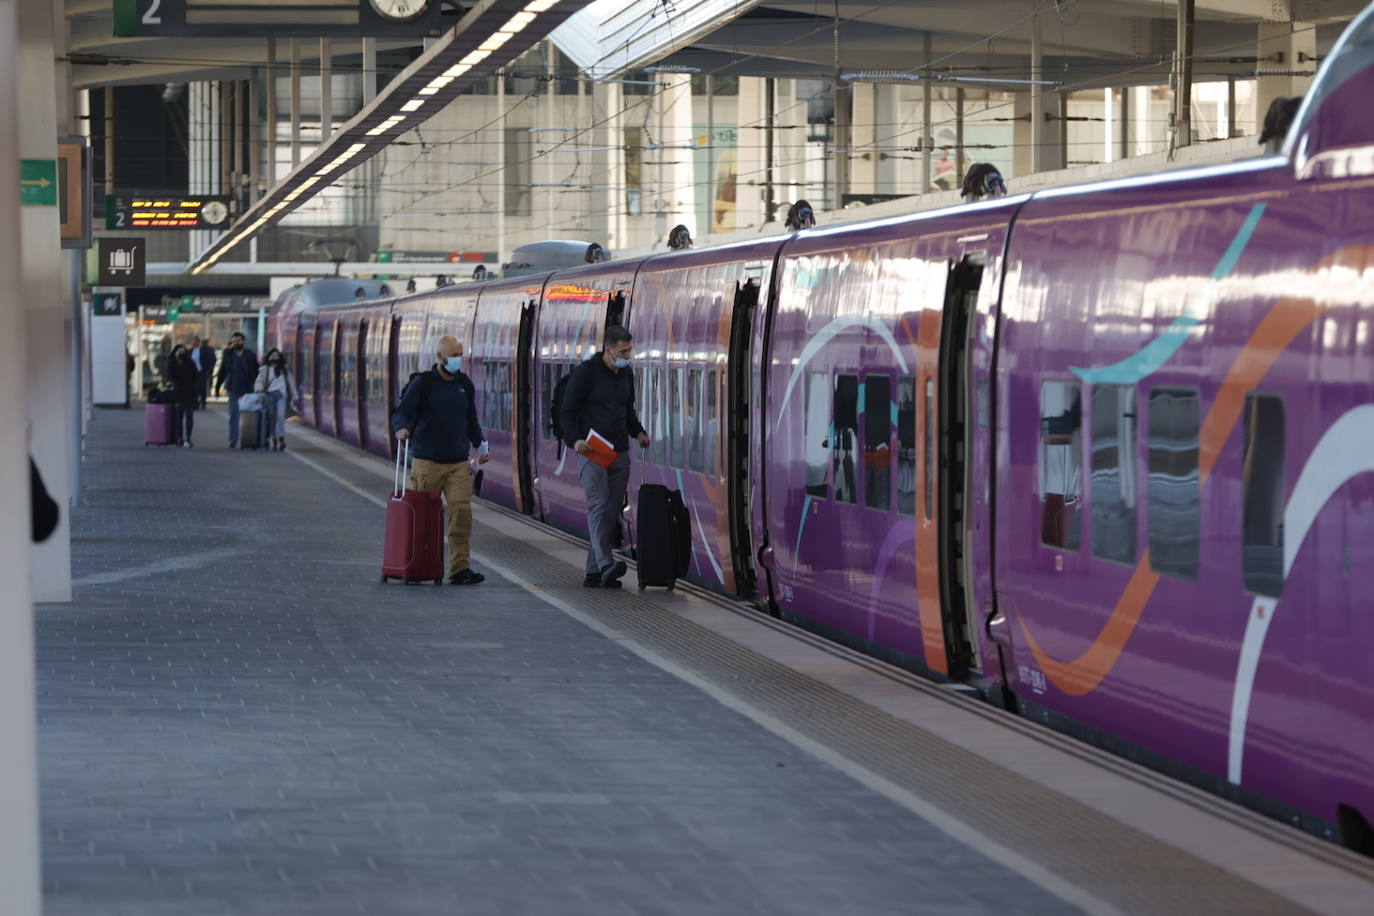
x: 120, y: 261
x: 166, y: 211
x: 302, y: 18
x: 436, y: 257
x: 191, y: 304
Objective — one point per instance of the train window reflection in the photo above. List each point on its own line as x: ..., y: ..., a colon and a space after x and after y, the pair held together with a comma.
x: 676, y: 441
x: 906, y: 445
x: 878, y: 442
x: 694, y: 462
x: 817, y: 433
x: 711, y: 423
x: 658, y: 445
x: 1113, y: 485
x: 846, y: 433
x: 1061, y: 464
x: 1262, y: 473
x: 1173, y: 483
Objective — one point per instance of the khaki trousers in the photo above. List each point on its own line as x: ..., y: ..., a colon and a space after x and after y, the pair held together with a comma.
x: 455, y: 482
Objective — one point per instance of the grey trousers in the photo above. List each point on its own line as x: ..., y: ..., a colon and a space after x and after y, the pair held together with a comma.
x: 605, y: 490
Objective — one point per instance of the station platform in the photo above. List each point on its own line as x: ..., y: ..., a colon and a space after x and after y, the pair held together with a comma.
x: 236, y: 717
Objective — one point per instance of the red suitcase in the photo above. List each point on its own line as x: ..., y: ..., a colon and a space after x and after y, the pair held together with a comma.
x: 414, y: 547
x: 160, y: 424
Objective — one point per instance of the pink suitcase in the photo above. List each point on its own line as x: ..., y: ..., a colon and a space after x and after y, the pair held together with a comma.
x: 414, y: 547
x: 160, y: 424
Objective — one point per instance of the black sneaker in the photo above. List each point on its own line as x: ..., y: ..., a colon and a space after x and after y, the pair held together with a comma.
x: 592, y: 581
x: 610, y: 576
x: 466, y: 577
x: 614, y: 583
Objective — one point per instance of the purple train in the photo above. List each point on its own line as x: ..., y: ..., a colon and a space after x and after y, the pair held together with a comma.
x: 1102, y: 452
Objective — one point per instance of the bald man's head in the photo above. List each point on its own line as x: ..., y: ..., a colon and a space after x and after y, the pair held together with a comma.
x: 449, y: 346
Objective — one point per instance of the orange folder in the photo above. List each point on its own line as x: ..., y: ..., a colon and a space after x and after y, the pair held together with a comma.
x: 601, y: 449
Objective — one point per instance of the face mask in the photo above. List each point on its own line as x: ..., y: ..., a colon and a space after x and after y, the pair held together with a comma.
x: 621, y: 362
x: 453, y: 364
x: 276, y: 362
x: 238, y: 345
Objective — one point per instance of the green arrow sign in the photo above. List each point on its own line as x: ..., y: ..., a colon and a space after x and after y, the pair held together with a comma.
x: 38, y: 182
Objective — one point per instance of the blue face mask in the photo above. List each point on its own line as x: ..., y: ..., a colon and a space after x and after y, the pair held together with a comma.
x: 621, y: 363
x: 453, y: 364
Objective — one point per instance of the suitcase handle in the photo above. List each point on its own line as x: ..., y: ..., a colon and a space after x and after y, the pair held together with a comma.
x: 398, y: 480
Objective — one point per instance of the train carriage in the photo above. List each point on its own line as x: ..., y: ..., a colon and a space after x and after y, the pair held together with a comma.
x: 1102, y: 453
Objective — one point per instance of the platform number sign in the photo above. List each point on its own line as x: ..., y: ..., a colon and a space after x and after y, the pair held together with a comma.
x: 121, y: 261
x: 259, y: 18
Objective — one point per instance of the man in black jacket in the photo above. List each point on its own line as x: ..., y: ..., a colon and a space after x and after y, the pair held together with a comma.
x: 238, y: 370
x: 438, y: 414
x: 203, y: 355
x: 601, y: 396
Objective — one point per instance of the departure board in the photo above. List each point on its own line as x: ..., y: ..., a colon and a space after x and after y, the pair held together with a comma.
x: 166, y: 211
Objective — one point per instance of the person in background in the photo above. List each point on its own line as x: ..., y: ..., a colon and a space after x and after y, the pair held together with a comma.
x: 203, y: 355
x: 44, y: 508
x: 680, y: 237
x: 183, y: 379
x: 438, y: 414
x: 800, y: 216
x: 275, y: 383
x: 601, y: 396
x: 983, y: 181
x: 238, y: 370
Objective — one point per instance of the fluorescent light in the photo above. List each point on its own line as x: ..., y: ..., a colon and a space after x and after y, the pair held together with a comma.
x: 434, y: 85
x: 474, y: 58
x: 385, y: 125
x: 518, y: 21
x: 496, y: 40
x: 456, y: 71
x: 413, y: 105
x: 539, y: 6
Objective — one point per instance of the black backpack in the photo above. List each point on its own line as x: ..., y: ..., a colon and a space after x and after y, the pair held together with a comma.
x: 425, y: 377
x: 556, y: 408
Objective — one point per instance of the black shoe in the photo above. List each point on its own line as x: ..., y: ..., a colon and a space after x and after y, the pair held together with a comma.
x: 592, y: 581
x: 613, y: 584
x: 611, y: 574
x: 466, y: 577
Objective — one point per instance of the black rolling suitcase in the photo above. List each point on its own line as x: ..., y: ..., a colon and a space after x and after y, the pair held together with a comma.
x: 663, y: 536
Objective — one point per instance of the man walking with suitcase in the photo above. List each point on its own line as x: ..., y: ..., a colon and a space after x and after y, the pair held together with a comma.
x: 238, y: 370
x: 438, y: 414
x: 600, y: 396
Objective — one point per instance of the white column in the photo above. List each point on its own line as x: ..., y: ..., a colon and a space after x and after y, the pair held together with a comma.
x: 44, y: 284
x: 887, y: 117
x: 369, y: 69
x: 863, y: 138
x: 749, y: 114
x: 19, y: 870
x: 678, y: 179
x: 1292, y: 40
x: 326, y: 89
x: 295, y: 103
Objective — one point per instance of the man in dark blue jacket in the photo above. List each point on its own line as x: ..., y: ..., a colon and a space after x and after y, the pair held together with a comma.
x: 238, y: 370
x: 438, y: 414
x: 601, y: 396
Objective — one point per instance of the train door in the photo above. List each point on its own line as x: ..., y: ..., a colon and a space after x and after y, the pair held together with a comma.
x: 956, y: 396
x: 336, y: 369
x: 317, y: 412
x: 360, y: 363
x: 525, y: 432
x: 393, y: 369
x: 739, y: 413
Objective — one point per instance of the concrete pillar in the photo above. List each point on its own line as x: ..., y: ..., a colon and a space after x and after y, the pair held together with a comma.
x: 270, y: 127
x: 1141, y: 137
x: 1280, y: 46
x: 295, y: 102
x: 887, y: 116
x: 608, y: 215
x: 369, y: 70
x: 44, y: 286
x: 750, y: 116
x: 19, y: 870
x: 676, y: 184
x: 326, y: 89
x: 863, y: 157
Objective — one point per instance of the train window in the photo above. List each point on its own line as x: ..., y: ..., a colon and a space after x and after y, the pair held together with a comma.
x: 817, y: 433
x: 658, y: 442
x: 877, y: 391
x: 693, y: 420
x: 1061, y: 464
x: 710, y: 423
x: 929, y: 428
x: 1262, y: 475
x: 1113, y: 485
x: 846, y: 418
x: 547, y: 380
x: 676, y: 441
x: 1173, y: 483
x: 906, y: 445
